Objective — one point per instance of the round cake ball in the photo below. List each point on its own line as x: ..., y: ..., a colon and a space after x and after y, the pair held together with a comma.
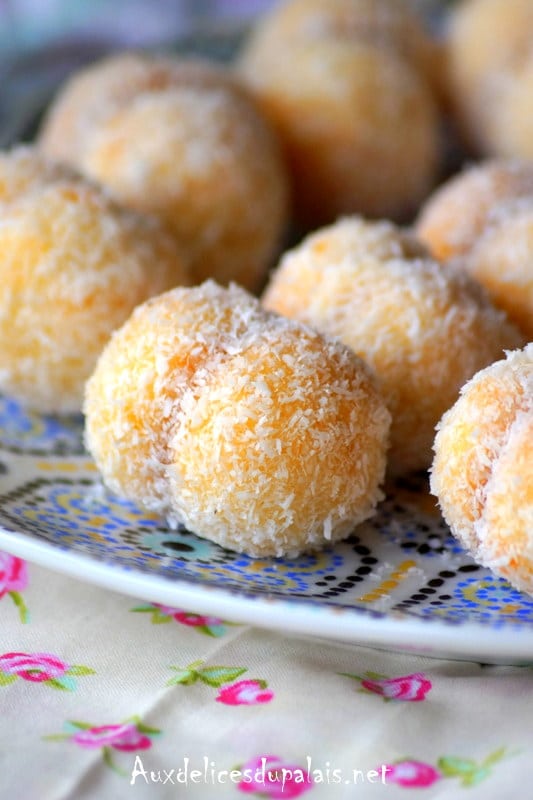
x: 424, y: 330
x: 395, y: 26
x: 357, y: 119
x: 502, y: 260
x: 482, y: 474
x: 512, y: 126
x: 22, y: 171
x: 184, y: 141
x: 488, y: 42
x: 252, y: 430
x: 358, y: 124
x: 455, y: 216
x: 94, y: 93
x: 73, y: 267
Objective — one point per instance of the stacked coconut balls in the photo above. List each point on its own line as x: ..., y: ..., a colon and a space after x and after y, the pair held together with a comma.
x: 257, y: 396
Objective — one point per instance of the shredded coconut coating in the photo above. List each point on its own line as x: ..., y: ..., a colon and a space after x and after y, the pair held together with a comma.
x: 208, y: 166
x: 482, y: 473
x: 488, y: 42
x: 73, y: 267
x: 424, y: 330
x: 183, y: 140
x: 357, y: 120
x: 502, y: 260
x: 252, y: 430
x: 22, y: 171
x: 96, y: 92
x: 454, y: 217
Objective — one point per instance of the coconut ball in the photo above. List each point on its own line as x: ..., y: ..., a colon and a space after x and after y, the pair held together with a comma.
x: 356, y: 116
x: 394, y: 26
x: 502, y: 260
x: 73, y: 267
x: 483, y: 218
x: 489, y: 42
x: 184, y: 141
x: 94, y: 93
x: 482, y: 473
x: 512, y: 126
x: 252, y: 430
x: 22, y: 171
x: 454, y: 217
x: 424, y: 330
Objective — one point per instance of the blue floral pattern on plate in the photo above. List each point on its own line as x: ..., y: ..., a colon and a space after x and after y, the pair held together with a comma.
x: 403, y: 563
x: 23, y: 431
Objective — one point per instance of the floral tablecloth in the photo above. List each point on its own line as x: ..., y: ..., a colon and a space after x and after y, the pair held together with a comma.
x: 105, y: 696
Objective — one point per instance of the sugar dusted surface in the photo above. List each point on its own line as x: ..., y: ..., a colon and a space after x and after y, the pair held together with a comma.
x: 482, y: 471
x: 253, y: 430
x: 423, y: 330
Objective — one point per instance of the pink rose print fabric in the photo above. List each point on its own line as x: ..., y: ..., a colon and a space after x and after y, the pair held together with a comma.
x: 242, y: 693
x: 41, y: 668
x: 127, y: 737
x: 210, y: 626
x: 269, y: 776
x: 245, y: 693
x: 413, y: 774
x: 13, y: 580
x: 409, y: 688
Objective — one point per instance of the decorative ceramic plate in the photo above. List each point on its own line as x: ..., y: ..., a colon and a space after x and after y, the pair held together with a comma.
x: 400, y: 582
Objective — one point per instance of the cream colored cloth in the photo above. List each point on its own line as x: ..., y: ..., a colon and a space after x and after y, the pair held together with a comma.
x: 96, y: 696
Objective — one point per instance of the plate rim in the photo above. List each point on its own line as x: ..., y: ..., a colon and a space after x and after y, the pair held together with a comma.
x: 433, y: 638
